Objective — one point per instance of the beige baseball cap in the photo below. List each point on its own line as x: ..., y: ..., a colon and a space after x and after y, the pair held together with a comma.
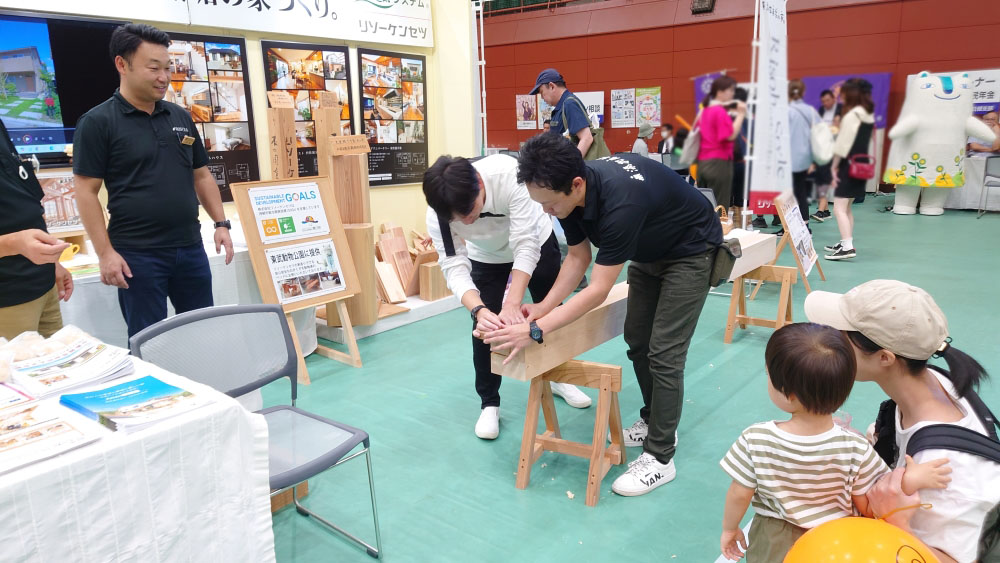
x: 897, y: 316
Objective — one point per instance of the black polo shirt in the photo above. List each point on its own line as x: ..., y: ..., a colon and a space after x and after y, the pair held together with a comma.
x: 146, y: 169
x: 21, y: 280
x: 638, y: 209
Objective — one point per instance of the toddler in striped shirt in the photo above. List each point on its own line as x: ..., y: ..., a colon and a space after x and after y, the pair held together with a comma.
x: 805, y: 471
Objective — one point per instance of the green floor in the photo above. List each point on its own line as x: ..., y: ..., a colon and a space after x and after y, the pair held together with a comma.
x: 445, y: 495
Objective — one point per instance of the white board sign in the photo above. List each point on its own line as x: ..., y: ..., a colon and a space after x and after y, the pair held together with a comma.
x: 395, y: 22
x: 594, y: 102
x: 288, y: 212
x: 303, y: 271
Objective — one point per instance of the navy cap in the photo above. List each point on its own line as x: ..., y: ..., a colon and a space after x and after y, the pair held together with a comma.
x: 546, y: 76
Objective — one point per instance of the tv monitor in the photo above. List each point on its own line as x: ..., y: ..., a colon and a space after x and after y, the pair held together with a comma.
x: 52, y: 71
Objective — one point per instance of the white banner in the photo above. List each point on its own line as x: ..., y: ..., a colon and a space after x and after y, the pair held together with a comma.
x: 985, y: 89
x: 770, y: 169
x: 594, y: 102
x: 623, y: 108
x: 394, y: 22
x: 288, y: 212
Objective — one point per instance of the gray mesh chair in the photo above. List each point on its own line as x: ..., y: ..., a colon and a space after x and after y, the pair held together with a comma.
x: 991, y: 179
x: 237, y: 349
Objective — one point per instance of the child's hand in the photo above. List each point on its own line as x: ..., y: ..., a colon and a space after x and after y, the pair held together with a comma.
x: 733, y: 544
x: 928, y: 475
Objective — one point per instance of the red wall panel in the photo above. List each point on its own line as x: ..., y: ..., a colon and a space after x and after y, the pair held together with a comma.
x: 645, y: 43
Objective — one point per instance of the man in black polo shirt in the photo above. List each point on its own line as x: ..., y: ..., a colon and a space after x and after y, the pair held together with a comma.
x: 151, y: 158
x: 631, y: 208
x: 31, y: 280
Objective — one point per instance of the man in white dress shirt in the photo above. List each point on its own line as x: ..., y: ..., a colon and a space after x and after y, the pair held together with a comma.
x: 488, y: 230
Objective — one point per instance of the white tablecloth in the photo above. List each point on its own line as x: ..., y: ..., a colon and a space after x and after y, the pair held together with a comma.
x: 94, y: 306
x: 967, y: 197
x: 191, y: 488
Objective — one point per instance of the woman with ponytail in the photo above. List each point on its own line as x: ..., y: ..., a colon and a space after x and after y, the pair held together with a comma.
x: 896, y: 329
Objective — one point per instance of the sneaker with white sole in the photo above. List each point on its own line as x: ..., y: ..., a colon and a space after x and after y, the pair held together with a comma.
x: 842, y: 254
x: 573, y: 396
x: 833, y: 247
x: 635, y: 435
x: 488, y: 426
x: 644, y: 475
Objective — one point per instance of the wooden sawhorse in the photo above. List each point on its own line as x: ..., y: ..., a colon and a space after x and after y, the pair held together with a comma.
x: 608, y: 380
x: 738, y: 302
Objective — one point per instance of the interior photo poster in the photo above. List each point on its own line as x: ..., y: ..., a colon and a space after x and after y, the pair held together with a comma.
x: 623, y: 108
x: 304, y: 70
x: 394, y: 115
x: 208, y: 79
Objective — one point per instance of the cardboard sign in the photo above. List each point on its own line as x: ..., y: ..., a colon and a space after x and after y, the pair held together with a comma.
x: 349, y: 144
x: 329, y: 99
x: 280, y: 99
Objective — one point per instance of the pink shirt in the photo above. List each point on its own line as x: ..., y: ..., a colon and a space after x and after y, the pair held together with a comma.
x: 716, y: 127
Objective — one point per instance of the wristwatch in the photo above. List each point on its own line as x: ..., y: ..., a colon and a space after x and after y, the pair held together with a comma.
x: 535, y: 332
x: 475, y: 311
x: 225, y: 224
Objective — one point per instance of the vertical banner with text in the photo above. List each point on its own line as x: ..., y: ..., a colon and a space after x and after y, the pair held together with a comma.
x: 770, y: 166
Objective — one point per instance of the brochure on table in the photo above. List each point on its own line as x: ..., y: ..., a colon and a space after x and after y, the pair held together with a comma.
x: 134, y: 405
x: 36, y: 430
x: 73, y: 361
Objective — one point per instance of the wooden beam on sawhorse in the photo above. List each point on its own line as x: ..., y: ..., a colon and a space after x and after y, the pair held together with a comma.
x: 607, y: 379
x: 738, y: 301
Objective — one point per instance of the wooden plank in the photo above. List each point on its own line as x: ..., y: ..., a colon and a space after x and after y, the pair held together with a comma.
x: 432, y: 283
x: 388, y: 310
x: 528, y: 453
x: 404, y: 267
x: 387, y: 227
x: 390, y: 282
x: 597, y: 326
x: 349, y: 175
x: 391, y: 244
x: 327, y: 125
x: 363, y: 307
x: 284, y: 157
x: 412, y: 285
x: 284, y: 498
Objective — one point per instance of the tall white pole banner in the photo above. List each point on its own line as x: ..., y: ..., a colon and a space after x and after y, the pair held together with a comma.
x: 770, y: 170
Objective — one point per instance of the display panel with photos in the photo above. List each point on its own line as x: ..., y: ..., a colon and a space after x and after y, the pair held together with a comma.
x: 394, y: 115
x: 208, y: 78
x: 305, y: 70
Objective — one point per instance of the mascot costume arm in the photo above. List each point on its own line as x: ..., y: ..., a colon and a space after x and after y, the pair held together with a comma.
x: 976, y: 128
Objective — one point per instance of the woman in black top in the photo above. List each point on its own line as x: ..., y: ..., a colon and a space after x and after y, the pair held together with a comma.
x: 856, y: 126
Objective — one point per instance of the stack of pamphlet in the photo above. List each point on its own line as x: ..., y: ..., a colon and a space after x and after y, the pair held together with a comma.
x: 69, y: 359
x: 135, y: 404
x: 32, y: 430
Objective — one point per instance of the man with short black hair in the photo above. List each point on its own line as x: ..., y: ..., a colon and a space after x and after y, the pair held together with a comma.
x: 666, y: 145
x: 632, y: 209
x: 487, y: 230
x: 151, y: 158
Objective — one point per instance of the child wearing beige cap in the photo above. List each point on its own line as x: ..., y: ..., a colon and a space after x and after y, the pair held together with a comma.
x: 895, y: 328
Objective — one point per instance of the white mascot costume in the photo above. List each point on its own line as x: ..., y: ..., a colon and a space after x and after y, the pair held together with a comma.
x: 928, y: 142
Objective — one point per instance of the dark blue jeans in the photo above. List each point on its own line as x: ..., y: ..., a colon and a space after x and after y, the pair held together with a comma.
x: 182, y: 274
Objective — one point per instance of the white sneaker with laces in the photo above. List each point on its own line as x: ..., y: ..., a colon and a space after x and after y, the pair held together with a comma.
x: 635, y: 435
x: 644, y: 475
x: 488, y: 426
x: 573, y: 396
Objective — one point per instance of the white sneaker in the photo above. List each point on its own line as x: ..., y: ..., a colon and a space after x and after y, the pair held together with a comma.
x: 488, y: 426
x: 635, y: 435
x: 644, y: 475
x: 573, y: 396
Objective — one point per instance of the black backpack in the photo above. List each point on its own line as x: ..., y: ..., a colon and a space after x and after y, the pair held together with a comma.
x: 949, y: 437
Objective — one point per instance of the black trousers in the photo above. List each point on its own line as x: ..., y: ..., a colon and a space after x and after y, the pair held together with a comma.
x: 802, y: 187
x: 491, y: 281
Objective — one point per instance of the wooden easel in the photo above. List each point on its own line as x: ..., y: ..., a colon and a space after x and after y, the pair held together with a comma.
x: 550, y: 361
x: 738, y: 302
x: 783, y: 203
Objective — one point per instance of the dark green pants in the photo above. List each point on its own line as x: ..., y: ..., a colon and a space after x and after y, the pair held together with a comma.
x: 665, y: 299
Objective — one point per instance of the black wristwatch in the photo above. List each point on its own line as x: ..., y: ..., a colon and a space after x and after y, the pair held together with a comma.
x: 225, y: 224
x: 535, y: 332
x: 475, y: 311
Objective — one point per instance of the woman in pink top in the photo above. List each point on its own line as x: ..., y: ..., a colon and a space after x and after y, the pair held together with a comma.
x: 718, y: 131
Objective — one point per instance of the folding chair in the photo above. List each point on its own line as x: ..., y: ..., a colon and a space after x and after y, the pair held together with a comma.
x: 991, y: 179
x: 237, y: 349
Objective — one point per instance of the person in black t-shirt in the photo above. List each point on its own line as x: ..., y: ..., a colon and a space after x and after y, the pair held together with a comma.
x: 633, y: 209
x: 150, y: 156
x: 31, y: 279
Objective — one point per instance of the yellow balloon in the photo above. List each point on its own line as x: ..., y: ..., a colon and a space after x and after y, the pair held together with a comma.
x: 859, y: 540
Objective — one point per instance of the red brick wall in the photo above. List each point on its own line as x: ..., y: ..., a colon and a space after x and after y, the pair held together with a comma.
x: 618, y: 48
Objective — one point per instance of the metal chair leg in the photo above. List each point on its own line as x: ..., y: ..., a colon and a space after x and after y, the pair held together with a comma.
x: 375, y: 552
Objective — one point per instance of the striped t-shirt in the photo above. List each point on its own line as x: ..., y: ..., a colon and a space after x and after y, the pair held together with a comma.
x: 804, y: 480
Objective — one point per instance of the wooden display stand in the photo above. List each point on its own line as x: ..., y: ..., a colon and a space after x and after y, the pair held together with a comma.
x: 738, y: 302
x: 551, y: 361
x: 783, y: 204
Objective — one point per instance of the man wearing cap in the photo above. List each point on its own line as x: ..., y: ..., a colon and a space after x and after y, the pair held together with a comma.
x: 641, y: 146
x: 488, y: 230
x: 896, y: 329
x: 569, y: 114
